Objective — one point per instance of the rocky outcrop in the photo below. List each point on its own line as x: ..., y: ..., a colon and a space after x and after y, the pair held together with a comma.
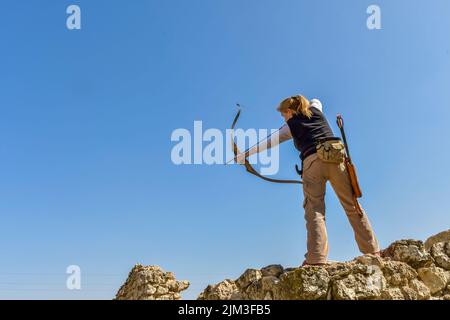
x: 443, y: 236
x: 407, y: 270
x: 411, y: 252
x: 151, y: 283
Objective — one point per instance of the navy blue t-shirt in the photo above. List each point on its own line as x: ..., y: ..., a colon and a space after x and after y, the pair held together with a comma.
x: 307, y: 132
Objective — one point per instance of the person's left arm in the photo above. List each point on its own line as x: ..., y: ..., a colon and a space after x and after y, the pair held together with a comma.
x: 280, y: 136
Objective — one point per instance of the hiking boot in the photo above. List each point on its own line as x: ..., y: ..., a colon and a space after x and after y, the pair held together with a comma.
x: 304, y: 264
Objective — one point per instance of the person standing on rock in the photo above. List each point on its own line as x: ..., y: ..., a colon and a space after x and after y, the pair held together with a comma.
x: 308, y: 127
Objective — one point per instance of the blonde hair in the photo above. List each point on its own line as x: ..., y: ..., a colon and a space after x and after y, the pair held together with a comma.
x: 298, y: 104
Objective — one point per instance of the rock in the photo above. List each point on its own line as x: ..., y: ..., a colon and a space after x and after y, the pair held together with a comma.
x: 247, y: 278
x: 360, y: 279
x: 419, y: 291
x: 440, y: 252
x: 398, y: 274
x: 224, y: 290
x: 151, y: 283
x: 443, y: 236
x: 411, y: 252
x: 367, y: 277
x: 162, y: 291
x: 265, y: 288
x: 354, y: 287
x: 270, y: 286
x: 150, y: 290
x: 177, y: 286
x: 236, y: 295
x: 254, y: 291
x: 434, y: 278
x: 272, y: 270
x: 402, y: 283
x: 306, y: 283
x: 392, y: 294
x: 169, y: 276
x: 407, y: 270
x: 370, y: 260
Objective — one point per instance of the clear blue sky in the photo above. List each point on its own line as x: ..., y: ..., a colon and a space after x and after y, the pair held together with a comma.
x: 86, y: 119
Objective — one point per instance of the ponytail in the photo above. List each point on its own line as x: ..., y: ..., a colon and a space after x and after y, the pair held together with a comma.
x: 299, y: 104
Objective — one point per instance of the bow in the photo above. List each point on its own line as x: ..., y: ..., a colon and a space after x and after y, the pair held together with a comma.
x: 247, y: 164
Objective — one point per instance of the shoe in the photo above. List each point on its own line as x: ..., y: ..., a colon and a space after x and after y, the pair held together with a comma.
x: 378, y: 254
x: 313, y: 264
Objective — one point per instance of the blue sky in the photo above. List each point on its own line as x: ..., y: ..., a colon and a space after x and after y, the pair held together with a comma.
x: 86, y: 118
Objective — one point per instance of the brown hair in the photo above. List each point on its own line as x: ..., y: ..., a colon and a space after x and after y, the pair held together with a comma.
x: 299, y: 104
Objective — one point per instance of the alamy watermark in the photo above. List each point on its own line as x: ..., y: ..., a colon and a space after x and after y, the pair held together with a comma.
x: 73, y: 21
x: 374, y: 20
x: 73, y: 281
x: 212, y: 147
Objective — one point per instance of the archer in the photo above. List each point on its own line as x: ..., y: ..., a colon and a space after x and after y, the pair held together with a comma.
x: 324, y: 158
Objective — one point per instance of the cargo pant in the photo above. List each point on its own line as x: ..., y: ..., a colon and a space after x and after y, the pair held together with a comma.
x: 316, y: 173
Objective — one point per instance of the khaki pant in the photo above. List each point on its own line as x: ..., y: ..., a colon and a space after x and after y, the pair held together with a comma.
x: 316, y: 173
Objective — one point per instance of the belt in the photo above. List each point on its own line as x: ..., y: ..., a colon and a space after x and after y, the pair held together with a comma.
x: 312, y: 149
x: 309, y: 151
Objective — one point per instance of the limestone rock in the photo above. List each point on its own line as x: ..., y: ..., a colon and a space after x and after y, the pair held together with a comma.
x: 443, y: 236
x: 364, y: 278
x: 151, y: 283
x: 411, y: 252
x: 398, y: 274
x: 225, y: 290
x: 434, y: 278
x: 440, y: 251
x: 419, y: 291
x: 362, y: 283
x: 392, y: 294
x: 407, y: 270
x: 272, y: 270
x: 247, y: 278
x: 307, y: 283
